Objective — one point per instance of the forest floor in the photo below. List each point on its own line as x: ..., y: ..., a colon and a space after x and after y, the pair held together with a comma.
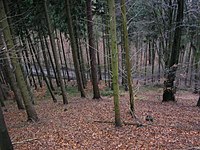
x: 87, y: 124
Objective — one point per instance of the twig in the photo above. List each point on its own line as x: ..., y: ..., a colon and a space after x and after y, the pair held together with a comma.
x: 24, y: 141
x: 99, y: 121
x: 136, y: 118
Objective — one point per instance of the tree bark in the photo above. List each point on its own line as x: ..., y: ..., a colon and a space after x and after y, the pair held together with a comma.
x: 5, y: 142
x: 74, y: 49
x: 169, y: 91
x: 64, y: 55
x: 93, y: 63
x: 12, y: 80
x: 127, y: 55
x: 111, y: 6
x: 31, y: 113
x: 46, y: 61
x: 53, y: 44
x: 1, y: 97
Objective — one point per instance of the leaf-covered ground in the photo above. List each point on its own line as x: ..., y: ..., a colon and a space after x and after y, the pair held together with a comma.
x: 86, y: 124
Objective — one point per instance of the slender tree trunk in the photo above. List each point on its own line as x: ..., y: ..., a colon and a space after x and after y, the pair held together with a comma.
x: 98, y: 59
x: 51, y: 60
x: 113, y: 35
x: 28, y: 67
x: 137, y: 55
x: 188, y: 64
x: 127, y: 55
x: 34, y: 63
x: 1, y: 97
x: 93, y: 64
x: 145, y: 63
x: 191, y: 67
x: 81, y: 61
x: 33, y: 52
x: 104, y: 53
x: 28, y: 71
x: 46, y: 61
x: 60, y: 56
x: 36, y: 46
x: 123, y: 57
x: 5, y: 142
x: 53, y: 44
x: 159, y: 60
x: 109, y: 61
x: 88, y: 60
x: 74, y: 48
x: 152, y: 61
x: 64, y: 55
x: 31, y: 113
x: 12, y: 81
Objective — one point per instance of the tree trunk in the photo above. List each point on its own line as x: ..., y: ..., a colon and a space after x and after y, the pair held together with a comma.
x: 113, y: 36
x: 104, y: 52
x: 127, y: 55
x: 152, y: 61
x: 34, y: 62
x: 5, y: 142
x: 74, y: 49
x: 88, y: 60
x: 51, y: 60
x: 93, y: 64
x: 33, y: 52
x: 32, y: 115
x: 57, y: 63
x: 12, y: 80
x: 64, y: 55
x: 98, y: 59
x: 169, y: 91
x: 46, y: 61
x: 81, y: 62
x: 1, y: 97
x: 188, y: 64
x: 145, y: 62
x: 60, y: 56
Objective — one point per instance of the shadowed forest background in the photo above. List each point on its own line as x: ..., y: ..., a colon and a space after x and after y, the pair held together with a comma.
x: 99, y: 74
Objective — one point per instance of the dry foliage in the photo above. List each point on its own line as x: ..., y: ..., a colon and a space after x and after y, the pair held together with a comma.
x: 77, y: 126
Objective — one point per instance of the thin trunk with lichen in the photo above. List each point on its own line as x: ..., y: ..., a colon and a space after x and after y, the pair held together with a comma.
x: 113, y: 35
x: 127, y: 55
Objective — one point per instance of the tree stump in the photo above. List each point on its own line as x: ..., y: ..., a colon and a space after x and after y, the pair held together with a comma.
x: 168, y: 95
x: 169, y: 88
